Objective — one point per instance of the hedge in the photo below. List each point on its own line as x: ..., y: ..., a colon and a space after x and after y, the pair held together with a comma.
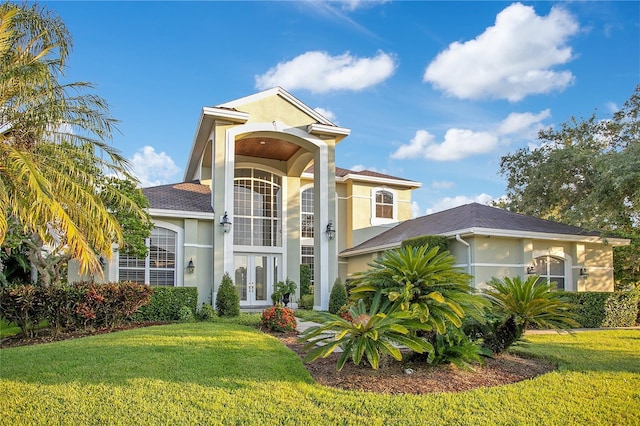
x: 81, y: 305
x: 597, y: 309
x: 428, y: 240
x: 166, y: 302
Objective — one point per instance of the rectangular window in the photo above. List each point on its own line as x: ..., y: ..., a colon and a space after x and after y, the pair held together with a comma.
x: 306, y: 258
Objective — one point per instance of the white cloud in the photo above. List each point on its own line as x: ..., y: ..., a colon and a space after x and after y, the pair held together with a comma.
x: 351, y: 5
x: 463, y: 143
x: 516, y: 123
x: 510, y: 60
x: 415, y: 209
x: 152, y: 168
x: 320, y: 72
x: 441, y: 184
x: 329, y: 115
x: 459, y: 200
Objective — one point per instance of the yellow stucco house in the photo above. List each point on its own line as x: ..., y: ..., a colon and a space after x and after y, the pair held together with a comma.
x: 262, y: 194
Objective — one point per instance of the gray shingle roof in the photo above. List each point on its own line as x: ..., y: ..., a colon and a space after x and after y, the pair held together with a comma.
x: 185, y: 196
x: 468, y: 216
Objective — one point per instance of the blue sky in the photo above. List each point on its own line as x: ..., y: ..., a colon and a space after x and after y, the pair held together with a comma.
x: 435, y: 92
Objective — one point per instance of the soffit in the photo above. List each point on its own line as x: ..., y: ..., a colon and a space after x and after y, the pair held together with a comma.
x: 270, y: 148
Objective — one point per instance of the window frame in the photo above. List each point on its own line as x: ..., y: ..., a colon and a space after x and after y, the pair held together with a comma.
x: 375, y: 220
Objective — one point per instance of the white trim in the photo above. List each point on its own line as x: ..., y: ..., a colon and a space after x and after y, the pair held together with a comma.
x: 372, y: 249
x: 375, y: 221
x: 371, y: 179
x: 180, y: 214
x: 226, y: 114
x: 536, y: 236
x: 327, y: 130
x: 202, y: 246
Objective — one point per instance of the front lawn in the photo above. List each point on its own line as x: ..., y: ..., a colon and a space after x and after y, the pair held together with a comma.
x: 212, y: 373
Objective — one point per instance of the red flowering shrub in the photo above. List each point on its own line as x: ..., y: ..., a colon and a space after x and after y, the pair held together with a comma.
x: 278, y: 318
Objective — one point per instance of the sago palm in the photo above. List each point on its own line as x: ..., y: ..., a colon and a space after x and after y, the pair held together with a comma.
x: 424, y: 281
x: 531, y: 302
x: 374, y: 331
x: 53, y: 138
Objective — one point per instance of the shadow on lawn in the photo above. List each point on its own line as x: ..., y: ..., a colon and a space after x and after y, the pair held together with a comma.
x: 216, y: 355
x: 578, y: 356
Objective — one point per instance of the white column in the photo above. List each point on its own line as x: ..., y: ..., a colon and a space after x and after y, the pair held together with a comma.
x: 321, y: 219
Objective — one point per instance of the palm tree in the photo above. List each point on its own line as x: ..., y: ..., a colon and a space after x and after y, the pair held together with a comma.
x: 519, y: 304
x: 424, y: 281
x: 53, y: 142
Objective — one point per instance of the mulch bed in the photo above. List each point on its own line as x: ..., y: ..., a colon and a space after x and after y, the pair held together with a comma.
x: 424, y: 378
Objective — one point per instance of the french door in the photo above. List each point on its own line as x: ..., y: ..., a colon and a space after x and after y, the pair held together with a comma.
x: 255, y: 276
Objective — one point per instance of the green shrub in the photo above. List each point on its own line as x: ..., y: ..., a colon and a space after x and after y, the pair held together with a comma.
x: 24, y: 306
x: 306, y: 301
x: 338, y: 297
x: 278, y: 318
x: 598, y: 309
x: 227, y: 299
x: 428, y: 240
x: 206, y: 313
x: 621, y: 309
x: 185, y: 314
x: 166, y: 302
x: 305, y: 279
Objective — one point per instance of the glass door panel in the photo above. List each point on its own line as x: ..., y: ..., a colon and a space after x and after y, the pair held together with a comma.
x: 261, y: 279
x: 241, y: 278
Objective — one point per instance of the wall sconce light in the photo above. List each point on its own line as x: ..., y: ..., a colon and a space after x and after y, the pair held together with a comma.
x: 225, y: 223
x: 584, y: 272
x: 331, y: 232
x: 531, y: 270
x: 190, y: 266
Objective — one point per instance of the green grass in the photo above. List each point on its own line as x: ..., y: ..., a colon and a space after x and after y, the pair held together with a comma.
x: 8, y: 330
x: 217, y: 373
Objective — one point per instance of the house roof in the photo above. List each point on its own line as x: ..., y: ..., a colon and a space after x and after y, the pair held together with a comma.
x: 184, y: 196
x: 368, y: 175
x: 477, y: 219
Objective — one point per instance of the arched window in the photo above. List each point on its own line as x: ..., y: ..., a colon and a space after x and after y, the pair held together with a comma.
x: 384, y: 206
x: 257, y: 202
x: 159, y: 267
x: 551, y: 269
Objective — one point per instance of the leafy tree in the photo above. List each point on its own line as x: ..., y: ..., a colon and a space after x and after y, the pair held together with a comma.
x: 424, y: 281
x: 52, y: 139
x: 586, y: 174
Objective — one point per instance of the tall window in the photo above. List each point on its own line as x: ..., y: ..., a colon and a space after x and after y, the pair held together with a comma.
x: 306, y: 213
x: 551, y: 269
x: 159, y: 267
x: 384, y: 204
x: 306, y: 258
x: 257, y: 206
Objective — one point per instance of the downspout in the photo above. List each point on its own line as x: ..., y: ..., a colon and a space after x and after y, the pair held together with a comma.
x: 458, y: 238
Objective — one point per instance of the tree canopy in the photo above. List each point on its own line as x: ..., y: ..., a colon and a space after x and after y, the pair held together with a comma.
x: 54, y: 149
x: 585, y: 173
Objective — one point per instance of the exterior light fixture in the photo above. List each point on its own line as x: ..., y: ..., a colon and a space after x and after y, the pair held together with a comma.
x: 225, y: 223
x: 190, y: 266
x: 331, y: 232
x: 584, y: 272
x: 531, y: 270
